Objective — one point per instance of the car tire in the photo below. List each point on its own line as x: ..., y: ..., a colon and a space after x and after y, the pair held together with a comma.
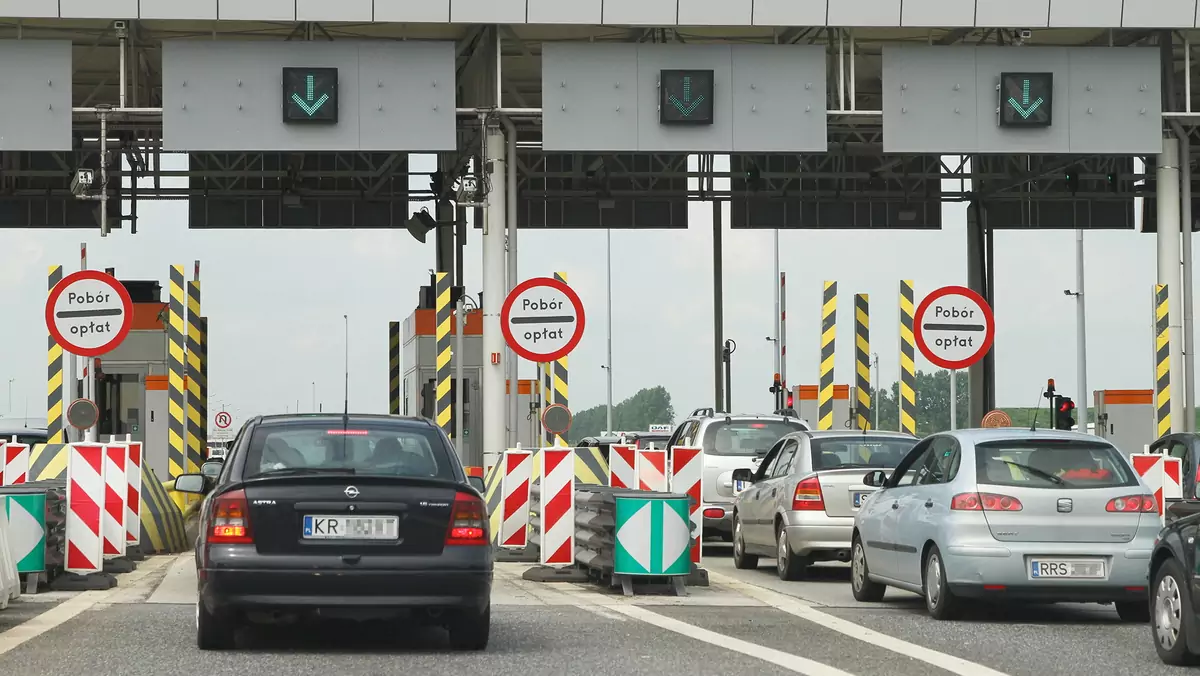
x: 865, y: 591
x: 214, y: 632
x: 1133, y: 611
x: 789, y: 566
x: 941, y: 603
x: 741, y: 560
x: 1171, y: 616
x: 470, y: 630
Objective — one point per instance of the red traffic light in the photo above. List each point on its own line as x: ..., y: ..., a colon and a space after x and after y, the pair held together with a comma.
x: 1066, y: 405
x: 789, y: 400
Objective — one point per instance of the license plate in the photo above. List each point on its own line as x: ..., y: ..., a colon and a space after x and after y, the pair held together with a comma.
x: 859, y: 496
x: 321, y: 527
x: 1092, y: 569
x: 739, y: 486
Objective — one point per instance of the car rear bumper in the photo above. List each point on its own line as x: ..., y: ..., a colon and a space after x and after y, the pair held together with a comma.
x: 819, y: 537
x: 722, y: 525
x: 246, y: 581
x: 1001, y: 569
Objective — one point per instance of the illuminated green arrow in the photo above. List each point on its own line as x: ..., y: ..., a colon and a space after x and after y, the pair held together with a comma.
x: 687, y: 106
x: 1024, y: 108
x: 309, y: 106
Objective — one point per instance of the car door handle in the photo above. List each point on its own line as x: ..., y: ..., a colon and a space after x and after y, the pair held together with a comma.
x: 772, y: 492
x: 895, y: 505
x: 929, y: 503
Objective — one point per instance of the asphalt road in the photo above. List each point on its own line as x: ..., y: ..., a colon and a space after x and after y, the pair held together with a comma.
x: 745, y: 622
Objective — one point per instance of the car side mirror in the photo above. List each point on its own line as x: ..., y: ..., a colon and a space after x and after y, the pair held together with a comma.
x: 212, y: 468
x: 743, y: 474
x: 477, y: 483
x: 191, y: 483
x: 875, y: 479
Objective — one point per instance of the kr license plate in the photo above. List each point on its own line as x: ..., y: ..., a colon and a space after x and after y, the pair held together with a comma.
x: 320, y: 527
x: 858, y: 496
x: 1088, y: 569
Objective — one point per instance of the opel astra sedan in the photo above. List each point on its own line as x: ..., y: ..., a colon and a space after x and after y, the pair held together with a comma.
x: 356, y: 516
x: 1007, y: 514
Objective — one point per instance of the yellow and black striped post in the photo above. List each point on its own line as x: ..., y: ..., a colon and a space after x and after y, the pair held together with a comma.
x: 54, y: 375
x: 908, y: 359
x: 862, y: 358
x: 1162, y: 359
x: 202, y: 405
x: 560, y: 375
x: 394, y: 368
x: 176, y: 397
x: 828, y: 334
x: 196, y: 422
x: 443, y: 311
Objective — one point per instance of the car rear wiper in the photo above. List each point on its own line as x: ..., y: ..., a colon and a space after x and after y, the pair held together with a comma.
x: 1033, y: 470
x: 284, y: 471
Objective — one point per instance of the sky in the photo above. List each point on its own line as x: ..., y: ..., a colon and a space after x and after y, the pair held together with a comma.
x: 275, y: 301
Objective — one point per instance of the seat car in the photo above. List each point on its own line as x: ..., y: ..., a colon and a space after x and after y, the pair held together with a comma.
x: 1007, y: 514
x: 729, y: 441
x: 357, y: 517
x: 799, y: 504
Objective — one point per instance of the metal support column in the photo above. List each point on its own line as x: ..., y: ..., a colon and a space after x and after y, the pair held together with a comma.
x: 1189, y: 328
x: 1169, y: 267
x: 1085, y: 397
x: 444, y: 212
x: 718, y: 313
x: 977, y: 374
x: 495, y: 165
x: 512, y: 365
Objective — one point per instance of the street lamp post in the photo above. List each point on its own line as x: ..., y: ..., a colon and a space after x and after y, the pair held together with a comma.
x: 10, y: 382
x: 608, y: 408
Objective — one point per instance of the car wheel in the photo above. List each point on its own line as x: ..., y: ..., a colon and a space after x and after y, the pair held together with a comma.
x: 860, y: 581
x: 788, y: 565
x: 1171, y: 617
x: 1133, y: 611
x: 941, y: 603
x: 741, y: 559
x: 470, y: 630
x: 214, y: 632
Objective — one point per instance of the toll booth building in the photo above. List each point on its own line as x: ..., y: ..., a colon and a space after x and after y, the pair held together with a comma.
x: 419, y: 386
x: 131, y: 380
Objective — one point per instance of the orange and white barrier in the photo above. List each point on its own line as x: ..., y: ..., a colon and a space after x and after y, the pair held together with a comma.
x: 557, y: 498
x: 16, y: 463
x: 687, y: 476
x: 622, y: 466
x: 133, y: 499
x: 85, y: 499
x: 514, y: 500
x: 652, y: 470
x: 115, y: 494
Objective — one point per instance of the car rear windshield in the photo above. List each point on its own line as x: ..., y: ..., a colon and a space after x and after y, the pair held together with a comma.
x: 415, y: 451
x: 746, y: 437
x: 852, y: 452
x: 1046, y: 463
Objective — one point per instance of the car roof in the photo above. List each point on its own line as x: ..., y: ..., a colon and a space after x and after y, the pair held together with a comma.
x: 8, y: 431
x: 981, y: 435
x: 876, y: 434
x: 283, y: 419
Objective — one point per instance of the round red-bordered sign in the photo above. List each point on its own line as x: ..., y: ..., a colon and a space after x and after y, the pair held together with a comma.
x: 223, y: 420
x: 524, y: 341
x: 557, y: 418
x: 952, y: 355
x: 117, y: 308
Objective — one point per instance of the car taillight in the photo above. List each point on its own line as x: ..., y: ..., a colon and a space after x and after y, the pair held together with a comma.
x: 1133, y: 503
x: 808, y: 495
x: 468, y: 522
x: 231, y: 520
x: 986, y: 502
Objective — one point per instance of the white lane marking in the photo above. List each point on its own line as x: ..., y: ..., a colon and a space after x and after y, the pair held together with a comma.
x: 800, y: 665
x: 602, y: 612
x: 140, y: 580
x: 801, y: 609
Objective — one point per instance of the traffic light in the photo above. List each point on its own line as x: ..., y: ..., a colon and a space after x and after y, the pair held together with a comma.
x: 1072, y: 178
x: 1064, y: 413
x: 753, y: 178
x: 1114, y: 181
x: 437, y: 184
x: 789, y: 400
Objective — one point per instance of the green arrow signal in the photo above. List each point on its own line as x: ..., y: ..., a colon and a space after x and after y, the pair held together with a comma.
x: 309, y: 106
x: 687, y: 106
x: 1024, y: 108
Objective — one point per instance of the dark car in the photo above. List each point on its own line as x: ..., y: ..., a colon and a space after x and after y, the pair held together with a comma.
x: 341, y: 516
x: 1174, y: 617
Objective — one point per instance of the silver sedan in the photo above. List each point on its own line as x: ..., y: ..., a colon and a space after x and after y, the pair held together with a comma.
x: 1000, y: 514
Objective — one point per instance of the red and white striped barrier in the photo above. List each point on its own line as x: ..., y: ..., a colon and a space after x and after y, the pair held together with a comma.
x: 16, y: 463
x: 133, y: 499
x: 558, y: 506
x: 652, y: 470
x: 116, y: 492
x: 514, y: 498
x: 1162, y: 474
x: 687, y: 476
x: 1172, y: 485
x: 622, y: 466
x: 85, y: 497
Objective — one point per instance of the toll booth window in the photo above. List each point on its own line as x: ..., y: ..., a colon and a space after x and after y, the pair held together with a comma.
x: 746, y: 437
x: 369, y: 449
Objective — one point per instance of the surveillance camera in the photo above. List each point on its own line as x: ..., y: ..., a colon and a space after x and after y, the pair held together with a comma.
x: 119, y: 29
x: 81, y: 182
x: 1024, y: 33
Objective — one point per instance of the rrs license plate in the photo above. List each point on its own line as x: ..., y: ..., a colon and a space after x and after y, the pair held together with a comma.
x: 321, y: 527
x: 1090, y: 569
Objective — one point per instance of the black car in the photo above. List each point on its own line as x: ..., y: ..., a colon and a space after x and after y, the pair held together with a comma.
x: 330, y: 515
x: 1174, y: 615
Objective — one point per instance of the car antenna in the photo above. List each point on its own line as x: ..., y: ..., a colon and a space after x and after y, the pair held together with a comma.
x: 1041, y: 395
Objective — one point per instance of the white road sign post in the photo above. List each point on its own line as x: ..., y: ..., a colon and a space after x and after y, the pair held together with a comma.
x: 542, y: 319
x: 954, y: 328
